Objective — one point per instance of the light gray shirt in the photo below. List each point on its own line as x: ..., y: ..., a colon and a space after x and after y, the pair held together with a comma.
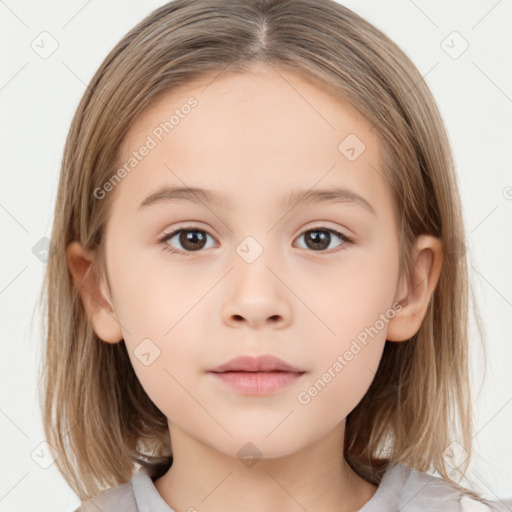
x: 402, y: 489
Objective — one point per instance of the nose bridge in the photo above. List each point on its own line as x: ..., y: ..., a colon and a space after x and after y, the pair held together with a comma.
x: 253, y: 261
x: 253, y: 247
x: 255, y: 293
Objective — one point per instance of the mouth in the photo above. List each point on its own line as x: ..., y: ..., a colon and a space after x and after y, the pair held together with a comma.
x: 257, y: 383
x: 262, y: 363
x: 260, y: 375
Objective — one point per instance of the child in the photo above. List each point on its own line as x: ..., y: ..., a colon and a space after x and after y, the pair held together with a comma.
x: 257, y: 371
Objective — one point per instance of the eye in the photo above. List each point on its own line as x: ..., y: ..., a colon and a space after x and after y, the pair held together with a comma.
x: 190, y: 239
x: 320, y: 238
x: 194, y: 239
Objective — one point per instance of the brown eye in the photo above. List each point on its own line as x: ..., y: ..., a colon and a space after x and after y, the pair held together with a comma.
x: 320, y: 239
x: 188, y: 240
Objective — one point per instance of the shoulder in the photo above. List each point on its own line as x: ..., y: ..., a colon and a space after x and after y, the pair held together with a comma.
x: 468, y: 504
x: 138, y: 494
x: 415, y: 491
x: 117, y: 499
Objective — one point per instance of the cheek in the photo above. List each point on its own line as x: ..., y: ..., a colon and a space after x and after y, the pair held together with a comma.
x: 165, y: 350
x: 162, y: 316
x: 356, y: 294
x: 153, y: 292
x: 355, y: 306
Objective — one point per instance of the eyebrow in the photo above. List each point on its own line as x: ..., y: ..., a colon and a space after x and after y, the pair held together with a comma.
x: 200, y: 195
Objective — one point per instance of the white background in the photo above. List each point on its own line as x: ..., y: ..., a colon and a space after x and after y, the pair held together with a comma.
x: 38, y: 98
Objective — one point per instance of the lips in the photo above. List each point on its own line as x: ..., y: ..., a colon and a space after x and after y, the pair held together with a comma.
x: 262, y: 363
x: 260, y: 375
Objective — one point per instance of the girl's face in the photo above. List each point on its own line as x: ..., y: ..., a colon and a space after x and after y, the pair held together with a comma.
x: 254, y: 276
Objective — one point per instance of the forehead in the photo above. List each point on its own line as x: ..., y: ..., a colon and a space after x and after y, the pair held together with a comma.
x: 254, y: 136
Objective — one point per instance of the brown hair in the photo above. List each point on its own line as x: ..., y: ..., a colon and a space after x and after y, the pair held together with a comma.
x: 96, y: 414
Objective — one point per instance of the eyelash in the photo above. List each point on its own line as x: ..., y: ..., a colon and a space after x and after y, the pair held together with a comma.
x: 168, y: 236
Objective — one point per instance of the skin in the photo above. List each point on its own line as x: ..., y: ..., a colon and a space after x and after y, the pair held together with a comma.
x: 255, y: 137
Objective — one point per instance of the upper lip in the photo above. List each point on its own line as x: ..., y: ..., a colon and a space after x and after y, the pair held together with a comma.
x: 262, y: 363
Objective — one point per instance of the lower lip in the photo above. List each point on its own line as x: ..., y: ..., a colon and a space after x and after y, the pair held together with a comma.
x: 257, y: 383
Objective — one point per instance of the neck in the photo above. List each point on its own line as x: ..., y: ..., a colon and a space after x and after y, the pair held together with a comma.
x: 314, y: 478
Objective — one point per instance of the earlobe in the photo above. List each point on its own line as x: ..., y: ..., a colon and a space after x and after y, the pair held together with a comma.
x: 415, y: 296
x: 93, y: 294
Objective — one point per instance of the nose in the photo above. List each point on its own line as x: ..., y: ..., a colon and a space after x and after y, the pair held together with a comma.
x: 256, y: 298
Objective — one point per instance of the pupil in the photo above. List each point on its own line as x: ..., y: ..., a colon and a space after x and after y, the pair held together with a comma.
x: 189, y: 239
x: 320, y: 237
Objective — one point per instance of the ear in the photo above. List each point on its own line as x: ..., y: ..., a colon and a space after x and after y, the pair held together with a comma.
x: 93, y: 293
x: 415, y: 295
